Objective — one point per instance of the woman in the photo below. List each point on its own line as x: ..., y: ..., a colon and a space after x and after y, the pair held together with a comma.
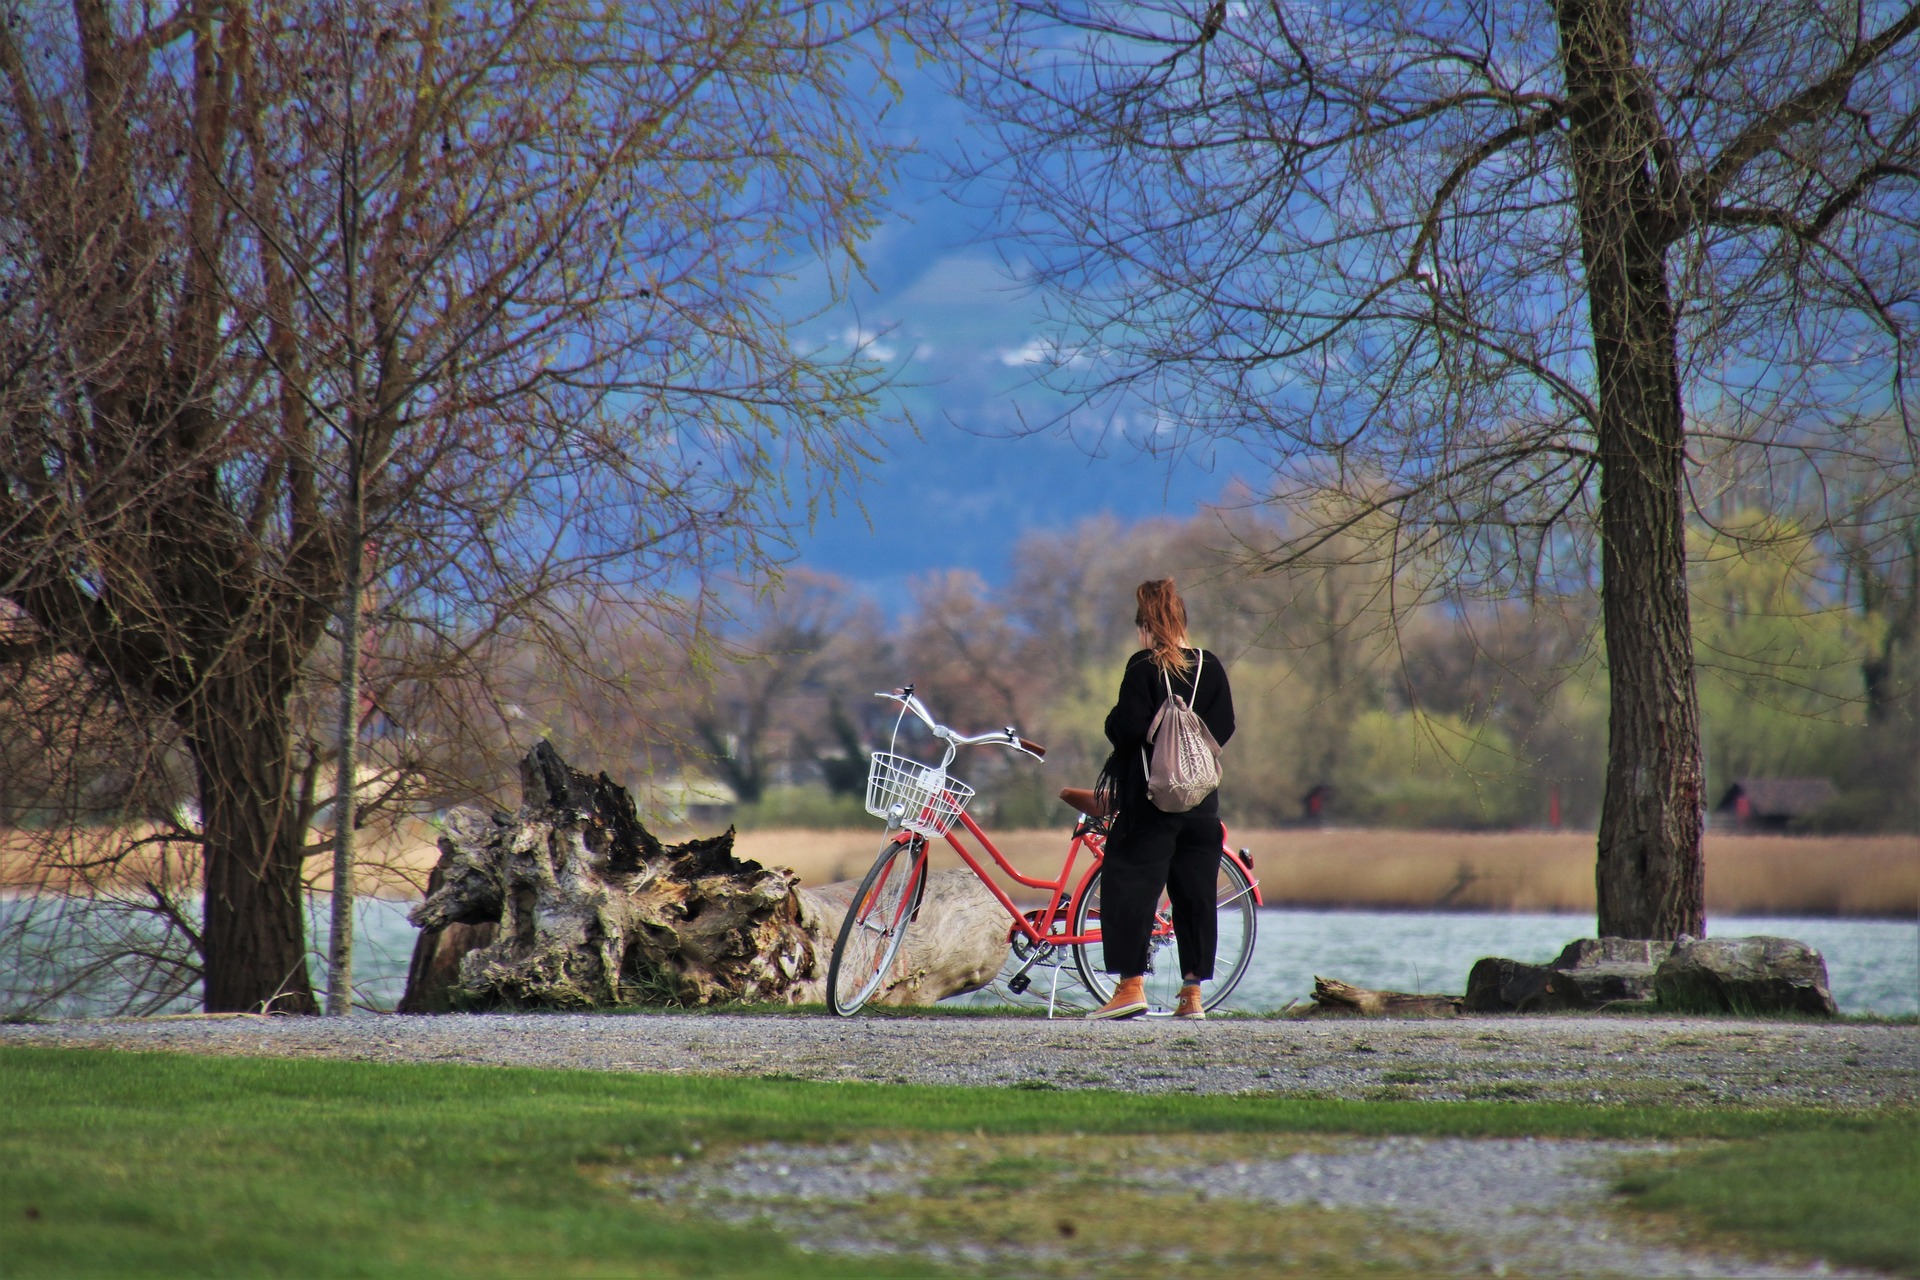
x: 1147, y: 850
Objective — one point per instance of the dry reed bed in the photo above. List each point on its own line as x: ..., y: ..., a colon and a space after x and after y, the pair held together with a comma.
x: 1464, y: 871
x: 1875, y: 876
x: 392, y: 864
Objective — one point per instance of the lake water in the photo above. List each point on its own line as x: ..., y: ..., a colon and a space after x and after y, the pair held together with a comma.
x: 1872, y: 965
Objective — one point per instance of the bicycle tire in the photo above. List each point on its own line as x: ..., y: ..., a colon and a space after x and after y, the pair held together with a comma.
x: 876, y: 922
x: 1239, y: 918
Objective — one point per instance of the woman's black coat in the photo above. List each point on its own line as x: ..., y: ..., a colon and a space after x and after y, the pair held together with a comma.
x: 1142, y: 690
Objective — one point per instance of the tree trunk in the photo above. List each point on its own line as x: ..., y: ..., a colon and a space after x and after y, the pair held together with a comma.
x: 1650, y: 875
x: 571, y: 903
x: 347, y: 776
x: 253, y: 944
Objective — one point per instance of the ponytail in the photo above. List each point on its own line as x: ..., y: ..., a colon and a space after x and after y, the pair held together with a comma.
x: 1160, y: 611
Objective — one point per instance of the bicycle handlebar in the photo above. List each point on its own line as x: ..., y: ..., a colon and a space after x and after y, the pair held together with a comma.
x: 1007, y: 737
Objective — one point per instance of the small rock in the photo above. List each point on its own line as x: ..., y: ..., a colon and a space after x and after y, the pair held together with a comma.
x: 1745, y: 975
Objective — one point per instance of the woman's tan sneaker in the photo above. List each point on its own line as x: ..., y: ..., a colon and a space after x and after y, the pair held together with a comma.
x: 1129, y: 1000
x: 1189, y: 1005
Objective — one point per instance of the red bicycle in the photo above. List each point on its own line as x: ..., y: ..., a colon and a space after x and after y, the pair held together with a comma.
x: 922, y: 802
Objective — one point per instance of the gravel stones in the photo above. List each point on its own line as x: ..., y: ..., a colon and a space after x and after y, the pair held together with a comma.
x: 779, y: 1171
x: 1591, y: 1058
x: 1515, y: 1205
x: 1417, y: 1175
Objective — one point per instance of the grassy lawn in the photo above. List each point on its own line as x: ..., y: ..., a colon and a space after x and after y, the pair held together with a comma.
x: 1846, y: 1195
x: 156, y: 1164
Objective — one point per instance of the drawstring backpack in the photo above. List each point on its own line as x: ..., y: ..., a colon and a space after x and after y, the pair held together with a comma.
x: 1184, y: 768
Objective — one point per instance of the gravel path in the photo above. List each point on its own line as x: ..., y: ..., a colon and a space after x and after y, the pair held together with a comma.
x: 1688, y: 1062
x: 1517, y: 1206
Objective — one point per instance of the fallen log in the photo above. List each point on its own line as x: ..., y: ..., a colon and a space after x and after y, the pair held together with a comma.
x: 1332, y: 997
x: 572, y: 903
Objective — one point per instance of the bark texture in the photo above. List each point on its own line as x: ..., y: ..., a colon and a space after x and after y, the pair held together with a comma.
x: 1650, y: 875
x: 572, y: 903
x: 254, y: 942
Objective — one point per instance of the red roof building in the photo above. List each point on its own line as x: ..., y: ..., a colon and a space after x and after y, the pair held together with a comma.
x: 1770, y: 804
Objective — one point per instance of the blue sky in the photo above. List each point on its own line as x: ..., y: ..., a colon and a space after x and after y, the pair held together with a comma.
x: 945, y: 309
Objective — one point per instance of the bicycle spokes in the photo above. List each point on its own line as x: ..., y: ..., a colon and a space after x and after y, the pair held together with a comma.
x: 876, y: 924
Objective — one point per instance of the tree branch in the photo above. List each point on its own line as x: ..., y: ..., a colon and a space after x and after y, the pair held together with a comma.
x: 1532, y: 127
x: 13, y: 67
x: 1812, y: 228
x: 1764, y: 134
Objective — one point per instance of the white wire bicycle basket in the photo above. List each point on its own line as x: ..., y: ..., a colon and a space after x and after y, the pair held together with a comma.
x: 922, y: 798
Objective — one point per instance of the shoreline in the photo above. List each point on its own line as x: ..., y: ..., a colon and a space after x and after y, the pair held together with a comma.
x: 16, y: 893
x: 1864, y: 877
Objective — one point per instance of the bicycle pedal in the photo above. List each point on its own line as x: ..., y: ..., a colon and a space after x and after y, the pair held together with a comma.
x: 1019, y: 984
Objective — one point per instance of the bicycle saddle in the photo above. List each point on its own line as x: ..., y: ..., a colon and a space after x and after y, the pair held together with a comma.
x: 1084, y: 800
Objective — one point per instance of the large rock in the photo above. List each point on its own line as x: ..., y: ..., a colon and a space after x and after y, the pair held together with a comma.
x: 1590, y: 973
x: 1596, y: 953
x: 1744, y: 975
x: 1594, y: 973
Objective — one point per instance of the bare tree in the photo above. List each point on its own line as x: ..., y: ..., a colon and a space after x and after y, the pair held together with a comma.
x: 484, y: 293
x: 765, y: 698
x: 969, y: 651
x: 1486, y: 268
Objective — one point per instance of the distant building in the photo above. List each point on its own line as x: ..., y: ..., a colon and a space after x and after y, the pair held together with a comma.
x: 1770, y: 804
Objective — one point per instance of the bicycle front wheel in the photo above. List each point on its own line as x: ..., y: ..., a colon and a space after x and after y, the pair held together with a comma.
x: 876, y: 923
x: 1238, y: 921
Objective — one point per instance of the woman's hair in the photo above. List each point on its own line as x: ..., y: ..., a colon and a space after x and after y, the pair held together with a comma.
x: 1159, y: 609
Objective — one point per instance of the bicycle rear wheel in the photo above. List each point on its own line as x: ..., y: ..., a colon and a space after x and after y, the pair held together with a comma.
x: 876, y: 922
x: 1238, y: 922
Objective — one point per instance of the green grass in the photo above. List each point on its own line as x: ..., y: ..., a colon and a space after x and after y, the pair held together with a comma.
x: 1846, y: 1195
x: 156, y: 1164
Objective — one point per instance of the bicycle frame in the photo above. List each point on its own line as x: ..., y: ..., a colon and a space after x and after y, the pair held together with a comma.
x: 1059, y: 907
x: 1049, y: 926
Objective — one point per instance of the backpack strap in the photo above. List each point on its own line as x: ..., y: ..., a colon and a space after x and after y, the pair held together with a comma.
x: 1199, y: 660
x: 1146, y: 763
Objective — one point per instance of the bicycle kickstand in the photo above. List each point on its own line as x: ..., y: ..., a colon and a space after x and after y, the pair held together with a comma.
x: 1019, y: 982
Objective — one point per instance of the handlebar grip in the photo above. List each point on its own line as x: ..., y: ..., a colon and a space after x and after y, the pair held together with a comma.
x: 1034, y: 747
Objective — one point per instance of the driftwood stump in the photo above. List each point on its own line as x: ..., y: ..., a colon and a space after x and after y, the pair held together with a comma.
x: 1340, y: 999
x: 572, y: 903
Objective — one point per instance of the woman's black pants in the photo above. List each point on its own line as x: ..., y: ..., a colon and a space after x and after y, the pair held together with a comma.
x: 1177, y: 852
